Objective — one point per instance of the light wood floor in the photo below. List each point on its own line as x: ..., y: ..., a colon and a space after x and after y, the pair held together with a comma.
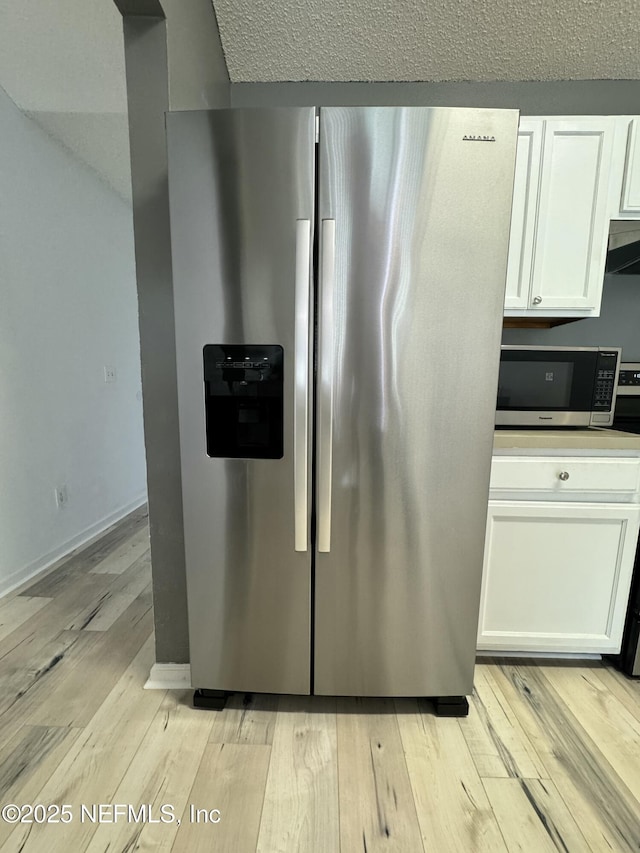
x: 548, y: 759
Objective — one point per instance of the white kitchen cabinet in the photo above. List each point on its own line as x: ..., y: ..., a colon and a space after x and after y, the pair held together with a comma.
x: 559, y: 552
x: 556, y: 576
x: 523, y: 213
x: 560, y: 217
x: 625, y: 170
x: 631, y: 179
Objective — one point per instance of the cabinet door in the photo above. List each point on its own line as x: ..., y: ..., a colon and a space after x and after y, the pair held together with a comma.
x: 556, y: 576
x: 572, y: 226
x: 523, y: 213
x: 630, y: 203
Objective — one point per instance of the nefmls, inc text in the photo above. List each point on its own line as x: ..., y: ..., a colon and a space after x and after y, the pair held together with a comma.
x: 145, y: 813
x: 52, y: 813
x: 127, y: 813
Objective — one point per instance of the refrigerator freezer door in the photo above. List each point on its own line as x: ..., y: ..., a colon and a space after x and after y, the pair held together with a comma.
x: 421, y: 200
x: 242, y: 210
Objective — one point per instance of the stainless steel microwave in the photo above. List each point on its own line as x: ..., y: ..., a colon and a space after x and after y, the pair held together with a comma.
x: 557, y: 386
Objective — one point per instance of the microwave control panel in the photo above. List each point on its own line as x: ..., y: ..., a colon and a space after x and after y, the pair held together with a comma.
x: 604, y: 390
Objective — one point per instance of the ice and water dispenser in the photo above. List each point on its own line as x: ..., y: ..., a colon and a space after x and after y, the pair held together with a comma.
x: 244, y: 401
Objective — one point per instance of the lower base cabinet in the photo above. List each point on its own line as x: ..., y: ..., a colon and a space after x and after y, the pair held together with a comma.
x: 556, y: 576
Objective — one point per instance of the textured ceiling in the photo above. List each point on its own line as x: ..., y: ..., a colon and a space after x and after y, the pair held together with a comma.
x: 66, y: 56
x: 430, y: 40
x: 62, y: 63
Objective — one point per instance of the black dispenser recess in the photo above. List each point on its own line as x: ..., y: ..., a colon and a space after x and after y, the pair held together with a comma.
x: 243, y: 389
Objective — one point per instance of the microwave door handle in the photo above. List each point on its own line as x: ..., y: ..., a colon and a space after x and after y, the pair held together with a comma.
x: 325, y: 385
x: 301, y: 393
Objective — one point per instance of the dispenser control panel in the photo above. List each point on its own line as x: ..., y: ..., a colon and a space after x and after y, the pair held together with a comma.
x: 243, y: 389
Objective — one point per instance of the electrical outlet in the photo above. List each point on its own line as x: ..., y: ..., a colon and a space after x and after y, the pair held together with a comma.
x: 110, y: 373
x: 62, y: 496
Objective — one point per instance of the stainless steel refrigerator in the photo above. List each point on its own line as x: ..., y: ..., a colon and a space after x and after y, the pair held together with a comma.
x: 339, y: 278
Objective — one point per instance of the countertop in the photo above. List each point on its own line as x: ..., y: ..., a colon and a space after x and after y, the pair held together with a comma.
x: 579, y: 440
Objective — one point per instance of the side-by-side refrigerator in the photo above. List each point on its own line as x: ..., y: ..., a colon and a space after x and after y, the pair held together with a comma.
x: 339, y: 279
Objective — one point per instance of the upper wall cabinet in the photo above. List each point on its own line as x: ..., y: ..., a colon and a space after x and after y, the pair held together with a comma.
x: 625, y: 170
x: 560, y: 219
x: 523, y: 214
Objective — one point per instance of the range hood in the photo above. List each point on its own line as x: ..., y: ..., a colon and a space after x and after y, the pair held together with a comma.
x: 623, y: 255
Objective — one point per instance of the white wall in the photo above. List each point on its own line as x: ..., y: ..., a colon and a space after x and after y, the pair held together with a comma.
x: 67, y: 308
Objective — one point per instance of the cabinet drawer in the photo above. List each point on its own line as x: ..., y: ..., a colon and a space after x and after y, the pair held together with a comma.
x: 558, y: 475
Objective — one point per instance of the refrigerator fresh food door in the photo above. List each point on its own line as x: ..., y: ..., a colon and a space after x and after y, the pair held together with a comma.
x: 414, y: 217
x: 242, y: 208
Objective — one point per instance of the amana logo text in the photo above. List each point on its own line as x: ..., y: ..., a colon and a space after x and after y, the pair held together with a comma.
x: 469, y: 137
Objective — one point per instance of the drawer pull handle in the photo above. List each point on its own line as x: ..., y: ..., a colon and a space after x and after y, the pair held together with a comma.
x: 563, y: 475
x: 537, y: 300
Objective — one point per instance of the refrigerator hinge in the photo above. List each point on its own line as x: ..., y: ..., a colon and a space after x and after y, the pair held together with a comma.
x: 317, y: 129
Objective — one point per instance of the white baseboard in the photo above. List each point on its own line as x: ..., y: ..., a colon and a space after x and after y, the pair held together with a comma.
x: 37, y: 567
x: 527, y: 653
x: 169, y: 676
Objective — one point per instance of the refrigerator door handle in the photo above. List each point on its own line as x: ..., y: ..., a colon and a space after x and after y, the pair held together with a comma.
x: 301, y: 400
x: 325, y: 395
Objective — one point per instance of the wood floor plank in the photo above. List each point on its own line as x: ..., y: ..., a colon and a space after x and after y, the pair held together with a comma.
x: 531, y: 818
x: 557, y: 819
x: 484, y: 745
x: 162, y: 772
x: 82, y: 618
x: 122, y: 591
x: 300, y: 809
x: 452, y: 806
x: 16, y: 611
x: 48, y: 622
x: 602, y: 808
x: 495, y: 738
x: 96, y: 762
x: 603, y: 717
x: 112, y: 609
x: 82, y: 560
x: 30, y: 653
x: 626, y: 689
x: 25, y: 681
x: 79, y: 690
x: 377, y: 807
x: 247, y: 718
x: 122, y: 557
x: 231, y: 778
x: 26, y: 763
x: 9, y: 728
